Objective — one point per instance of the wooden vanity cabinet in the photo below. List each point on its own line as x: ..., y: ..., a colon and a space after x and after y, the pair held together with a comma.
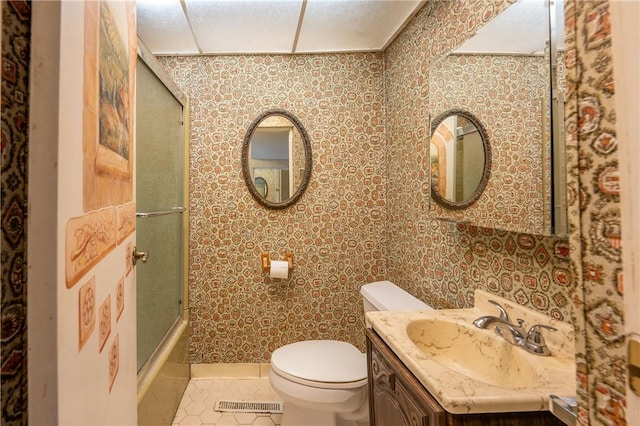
x: 397, y: 398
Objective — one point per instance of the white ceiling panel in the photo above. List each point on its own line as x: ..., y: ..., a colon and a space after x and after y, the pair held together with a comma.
x: 244, y: 26
x: 270, y: 26
x: 163, y: 27
x: 191, y: 27
x: 348, y: 25
x: 522, y: 28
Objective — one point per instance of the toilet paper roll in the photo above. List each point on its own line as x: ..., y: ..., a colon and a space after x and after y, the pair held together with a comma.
x: 279, y: 269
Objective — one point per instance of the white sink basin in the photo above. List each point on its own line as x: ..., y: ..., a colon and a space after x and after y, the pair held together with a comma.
x: 472, y: 370
x: 476, y: 353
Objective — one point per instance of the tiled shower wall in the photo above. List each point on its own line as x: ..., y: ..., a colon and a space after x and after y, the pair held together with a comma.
x: 336, y: 230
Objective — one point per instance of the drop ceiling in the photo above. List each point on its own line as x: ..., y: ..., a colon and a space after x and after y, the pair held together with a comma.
x: 521, y: 29
x: 210, y: 27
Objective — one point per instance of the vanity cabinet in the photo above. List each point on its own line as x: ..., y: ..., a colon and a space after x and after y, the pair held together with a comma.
x: 397, y: 398
x: 395, y: 395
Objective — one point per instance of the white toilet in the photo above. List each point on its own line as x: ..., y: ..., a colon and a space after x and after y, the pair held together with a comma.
x: 324, y: 382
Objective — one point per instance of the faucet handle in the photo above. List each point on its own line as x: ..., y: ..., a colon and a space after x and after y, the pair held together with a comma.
x: 535, y: 340
x: 503, y: 313
x: 534, y: 335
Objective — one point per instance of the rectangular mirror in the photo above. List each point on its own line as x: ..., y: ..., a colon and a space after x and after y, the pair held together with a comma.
x: 509, y: 77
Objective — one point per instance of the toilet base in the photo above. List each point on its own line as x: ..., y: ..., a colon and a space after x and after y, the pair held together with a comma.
x: 309, y: 406
x: 294, y: 415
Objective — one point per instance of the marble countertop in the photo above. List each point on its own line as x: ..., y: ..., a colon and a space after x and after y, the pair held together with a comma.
x: 472, y: 391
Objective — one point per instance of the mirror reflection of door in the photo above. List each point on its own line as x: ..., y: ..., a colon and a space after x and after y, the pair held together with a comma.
x: 275, y: 182
x: 261, y: 186
x: 270, y: 158
x: 469, y: 160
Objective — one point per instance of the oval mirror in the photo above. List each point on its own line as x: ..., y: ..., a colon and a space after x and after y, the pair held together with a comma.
x: 276, y: 159
x: 460, y: 159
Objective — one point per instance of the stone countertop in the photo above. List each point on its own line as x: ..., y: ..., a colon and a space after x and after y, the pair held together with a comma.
x: 463, y: 392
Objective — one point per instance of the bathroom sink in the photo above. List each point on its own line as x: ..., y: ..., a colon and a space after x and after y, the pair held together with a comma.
x: 478, y: 354
x: 472, y: 370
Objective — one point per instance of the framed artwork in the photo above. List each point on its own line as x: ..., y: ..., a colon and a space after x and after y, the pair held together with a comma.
x: 108, y: 101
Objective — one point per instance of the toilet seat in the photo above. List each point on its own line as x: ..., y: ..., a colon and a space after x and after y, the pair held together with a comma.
x: 327, y: 364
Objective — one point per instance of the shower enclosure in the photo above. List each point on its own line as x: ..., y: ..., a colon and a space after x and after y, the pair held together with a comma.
x: 160, y: 253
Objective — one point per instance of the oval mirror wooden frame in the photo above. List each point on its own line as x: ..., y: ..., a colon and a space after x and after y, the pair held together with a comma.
x: 439, y: 198
x: 246, y: 172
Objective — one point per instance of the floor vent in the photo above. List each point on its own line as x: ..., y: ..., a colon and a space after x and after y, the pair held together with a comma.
x: 273, y: 407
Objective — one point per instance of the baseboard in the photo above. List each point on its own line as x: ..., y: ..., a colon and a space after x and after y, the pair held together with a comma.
x: 230, y: 371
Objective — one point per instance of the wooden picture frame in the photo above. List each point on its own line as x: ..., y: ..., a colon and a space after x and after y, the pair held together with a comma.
x: 108, y: 103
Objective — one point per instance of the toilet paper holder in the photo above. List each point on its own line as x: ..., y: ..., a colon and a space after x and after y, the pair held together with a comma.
x: 265, y: 262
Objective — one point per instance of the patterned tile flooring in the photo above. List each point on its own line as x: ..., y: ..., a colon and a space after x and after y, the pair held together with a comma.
x: 198, y: 402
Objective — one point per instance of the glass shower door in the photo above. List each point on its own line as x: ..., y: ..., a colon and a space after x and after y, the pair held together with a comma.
x: 160, y: 163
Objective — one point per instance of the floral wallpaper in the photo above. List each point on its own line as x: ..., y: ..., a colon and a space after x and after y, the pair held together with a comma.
x: 343, y: 233
x: 238, y: 313
x: 16, y: 28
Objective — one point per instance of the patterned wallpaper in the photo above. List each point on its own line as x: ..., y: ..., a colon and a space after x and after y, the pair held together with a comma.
x: 442, y: 262
x: 595, y: 212
x: 336, y: 226
x: 336, y: 230
x: 16, y: 28
x: 440, y: 259
x: 506, y: 94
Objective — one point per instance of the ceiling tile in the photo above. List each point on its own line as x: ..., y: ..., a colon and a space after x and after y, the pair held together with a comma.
x: 163, y: 27
x: 269, y: 26
x: 522, y: 29
x: 352, y: 25
x: 244, y: 26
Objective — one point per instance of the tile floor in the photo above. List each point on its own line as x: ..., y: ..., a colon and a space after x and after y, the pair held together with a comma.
x: 201, y: 395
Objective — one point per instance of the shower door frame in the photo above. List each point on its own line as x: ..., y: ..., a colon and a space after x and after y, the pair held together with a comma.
x: 154, y: 364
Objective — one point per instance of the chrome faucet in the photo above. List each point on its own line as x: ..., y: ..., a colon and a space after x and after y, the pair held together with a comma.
x: 531, y: 341
x: 512, y: 333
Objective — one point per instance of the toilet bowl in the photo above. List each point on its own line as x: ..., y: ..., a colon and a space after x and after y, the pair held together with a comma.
x: 324, y: 382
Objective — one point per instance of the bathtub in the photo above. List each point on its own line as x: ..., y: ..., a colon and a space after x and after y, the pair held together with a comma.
x: 163, y: 380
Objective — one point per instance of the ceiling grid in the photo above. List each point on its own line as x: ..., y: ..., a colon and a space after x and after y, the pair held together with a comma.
x: 223, y: 27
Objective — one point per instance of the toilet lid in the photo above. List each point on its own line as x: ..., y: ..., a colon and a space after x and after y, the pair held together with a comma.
x: 324, y: 361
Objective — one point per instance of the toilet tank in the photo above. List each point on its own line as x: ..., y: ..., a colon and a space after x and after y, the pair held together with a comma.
x: 386, y: 296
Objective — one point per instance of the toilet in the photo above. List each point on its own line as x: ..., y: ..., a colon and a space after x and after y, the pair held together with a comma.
x: 324, y: 382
